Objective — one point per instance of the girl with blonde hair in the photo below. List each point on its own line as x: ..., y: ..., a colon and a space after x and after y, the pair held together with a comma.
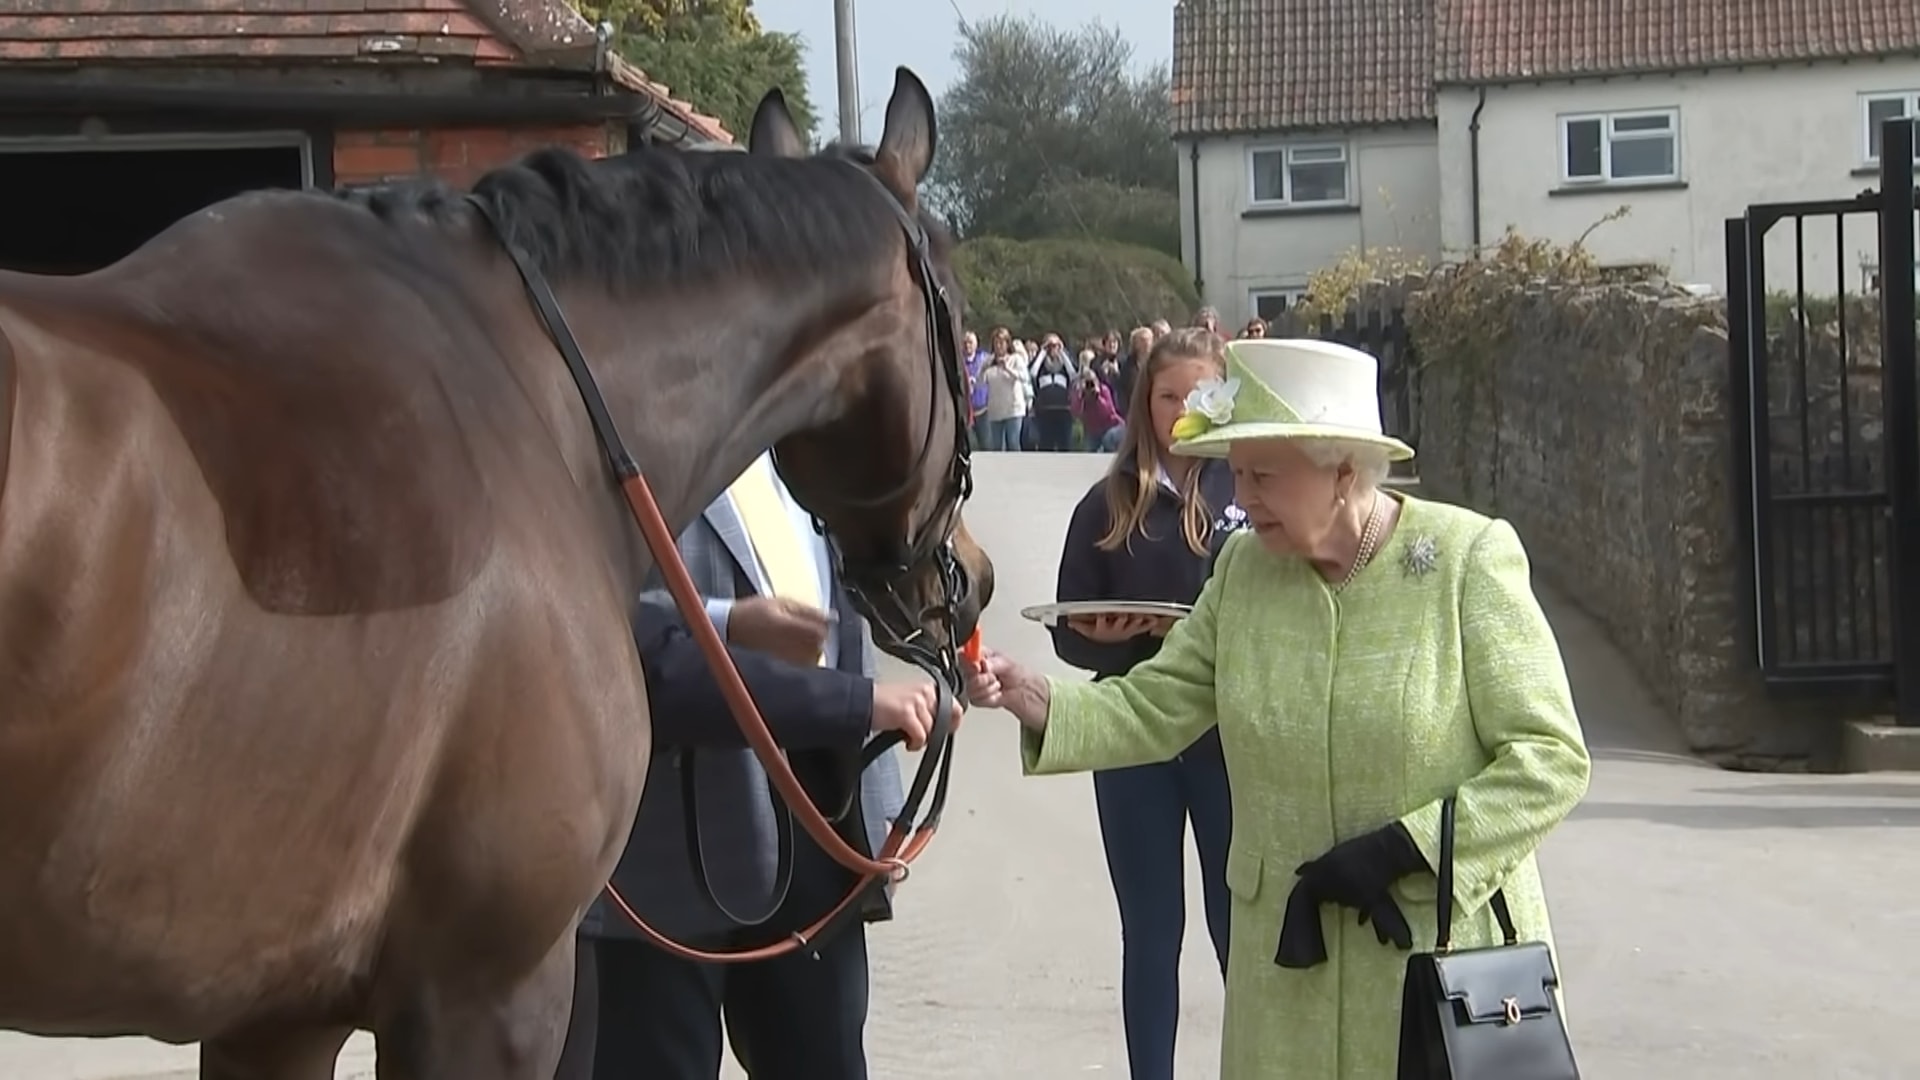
x: 1148, y: 531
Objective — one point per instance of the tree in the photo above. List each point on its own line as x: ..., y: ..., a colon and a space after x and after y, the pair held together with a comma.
x: 1076, y: 288
x: 656, y: 16
x: 1050, y: 132
x: 712, y: 53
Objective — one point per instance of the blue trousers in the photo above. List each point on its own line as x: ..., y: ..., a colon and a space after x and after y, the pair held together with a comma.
x: 1004, y: 434
x: 1144, y: 811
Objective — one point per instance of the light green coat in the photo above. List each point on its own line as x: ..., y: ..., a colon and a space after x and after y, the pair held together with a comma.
x: 1340, y: 713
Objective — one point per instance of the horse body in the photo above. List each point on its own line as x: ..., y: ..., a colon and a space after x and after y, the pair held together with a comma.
x: 319, y: 708
x: 209, y: 574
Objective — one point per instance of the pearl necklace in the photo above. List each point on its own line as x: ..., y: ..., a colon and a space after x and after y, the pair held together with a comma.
x: 1369, y: 540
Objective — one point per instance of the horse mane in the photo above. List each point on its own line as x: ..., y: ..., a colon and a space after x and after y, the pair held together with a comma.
x: 655, y: 216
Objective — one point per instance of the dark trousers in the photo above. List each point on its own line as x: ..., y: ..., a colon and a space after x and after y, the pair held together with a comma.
x: 642, y: 1014
x: 1144, y: 812
x: 1054, y: 429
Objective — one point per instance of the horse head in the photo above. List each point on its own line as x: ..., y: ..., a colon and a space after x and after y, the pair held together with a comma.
x: 887, y: 476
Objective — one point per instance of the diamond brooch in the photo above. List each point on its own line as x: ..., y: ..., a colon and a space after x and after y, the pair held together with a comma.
x: 1422, y: 555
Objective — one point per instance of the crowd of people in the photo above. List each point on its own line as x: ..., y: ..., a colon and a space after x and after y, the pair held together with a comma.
x: 1039, y: 394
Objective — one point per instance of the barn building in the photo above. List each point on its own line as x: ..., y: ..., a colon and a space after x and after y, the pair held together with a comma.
x: 118, y: 118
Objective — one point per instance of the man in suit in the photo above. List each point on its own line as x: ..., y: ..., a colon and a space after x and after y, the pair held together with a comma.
x: 641, y: 1012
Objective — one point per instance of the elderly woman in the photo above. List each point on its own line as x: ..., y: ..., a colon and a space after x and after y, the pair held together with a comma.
x: 1365, y: 655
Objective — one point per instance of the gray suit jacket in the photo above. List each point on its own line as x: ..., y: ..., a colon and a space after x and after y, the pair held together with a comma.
x: 739, y: 822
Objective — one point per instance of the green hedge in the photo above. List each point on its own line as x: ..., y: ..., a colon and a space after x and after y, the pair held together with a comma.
x: 1075, y: 208
x: 1075, y: 288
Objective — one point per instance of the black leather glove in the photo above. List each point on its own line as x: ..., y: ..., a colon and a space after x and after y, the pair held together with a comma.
x: 1356, y: 873
x: 1302, y: 944
x: 1389, y: 924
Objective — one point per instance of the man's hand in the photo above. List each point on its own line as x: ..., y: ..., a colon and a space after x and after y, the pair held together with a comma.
x: 788, y: 629
x: 907, y: 707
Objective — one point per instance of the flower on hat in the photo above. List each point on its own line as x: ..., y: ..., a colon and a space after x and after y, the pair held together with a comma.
x: 1209, y: 405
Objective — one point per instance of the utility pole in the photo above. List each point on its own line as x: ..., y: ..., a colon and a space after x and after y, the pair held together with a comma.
x: 846, y: 60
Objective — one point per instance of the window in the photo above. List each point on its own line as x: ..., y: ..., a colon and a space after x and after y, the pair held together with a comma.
x: 1620, y: 147
x: 1880, y: 108
x: 1298, y: 175
x: 1271, y: 304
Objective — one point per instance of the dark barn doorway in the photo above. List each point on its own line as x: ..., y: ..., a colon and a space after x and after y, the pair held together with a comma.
x: 71, y: 210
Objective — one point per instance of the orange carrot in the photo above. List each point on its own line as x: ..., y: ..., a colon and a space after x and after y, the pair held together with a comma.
x: 971, y: 651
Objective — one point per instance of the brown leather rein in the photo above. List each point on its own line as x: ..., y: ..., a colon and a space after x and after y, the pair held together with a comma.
x: 906, y: 840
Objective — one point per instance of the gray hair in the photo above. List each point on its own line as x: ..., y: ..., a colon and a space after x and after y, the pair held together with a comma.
x: 1369, y: 461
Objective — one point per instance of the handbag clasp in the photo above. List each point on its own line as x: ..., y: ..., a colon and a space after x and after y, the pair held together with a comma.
x: 1512, y: 1008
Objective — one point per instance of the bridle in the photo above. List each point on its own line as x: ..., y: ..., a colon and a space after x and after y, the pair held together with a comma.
x: 875, y: 588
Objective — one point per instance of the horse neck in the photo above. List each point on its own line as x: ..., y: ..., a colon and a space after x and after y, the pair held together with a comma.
x: 702, y: 381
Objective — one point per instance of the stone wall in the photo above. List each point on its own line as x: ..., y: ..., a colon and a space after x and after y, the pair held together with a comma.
x: 1600, y: 426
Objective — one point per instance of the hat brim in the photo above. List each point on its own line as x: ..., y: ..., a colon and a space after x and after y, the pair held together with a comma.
x: 1214, y: 442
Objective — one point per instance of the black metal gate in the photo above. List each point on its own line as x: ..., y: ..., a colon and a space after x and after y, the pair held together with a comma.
x: 1827, y: 430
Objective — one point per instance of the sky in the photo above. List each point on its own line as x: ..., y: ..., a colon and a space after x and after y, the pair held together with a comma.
x: 920, y: 34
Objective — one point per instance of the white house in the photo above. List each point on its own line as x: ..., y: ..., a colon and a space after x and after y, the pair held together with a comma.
x: 1541, y: 117
x: 1307, y: 129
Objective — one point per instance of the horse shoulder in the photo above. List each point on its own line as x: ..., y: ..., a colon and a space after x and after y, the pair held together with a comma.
x: 310, y: 377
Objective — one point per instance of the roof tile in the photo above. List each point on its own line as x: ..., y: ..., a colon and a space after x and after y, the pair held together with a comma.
x: 1242, y: 66
x: 1512, y: 40
x: 509, y: 33
x: 1268, y: 65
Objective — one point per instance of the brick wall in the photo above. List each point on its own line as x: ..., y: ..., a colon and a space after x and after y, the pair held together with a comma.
x: 456, y: 155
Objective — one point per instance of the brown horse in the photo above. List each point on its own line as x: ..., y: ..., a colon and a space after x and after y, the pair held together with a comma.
x: 319, y: 709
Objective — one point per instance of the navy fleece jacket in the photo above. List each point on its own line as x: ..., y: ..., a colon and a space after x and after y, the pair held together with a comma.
x: 1156, y: 566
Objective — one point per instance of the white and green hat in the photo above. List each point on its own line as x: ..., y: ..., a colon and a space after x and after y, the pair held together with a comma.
x: 1287, y: 388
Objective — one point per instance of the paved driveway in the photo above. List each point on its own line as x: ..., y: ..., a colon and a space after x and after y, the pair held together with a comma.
x: 1713, y: 925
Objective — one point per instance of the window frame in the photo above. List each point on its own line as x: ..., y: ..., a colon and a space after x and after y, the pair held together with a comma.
x: 1608, y: 136
x: 1909, y: 100
x: 1294, y: 294
x: 1287, y: 150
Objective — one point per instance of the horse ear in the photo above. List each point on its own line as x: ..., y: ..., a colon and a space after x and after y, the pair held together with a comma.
x: 774, y: 133
x: 906, y: 147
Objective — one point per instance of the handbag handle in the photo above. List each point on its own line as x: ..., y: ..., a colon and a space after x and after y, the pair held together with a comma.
x: 1443, y: 940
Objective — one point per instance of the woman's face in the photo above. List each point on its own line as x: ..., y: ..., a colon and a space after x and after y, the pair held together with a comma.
x: 1171, y: 385
x: 1290, y: 500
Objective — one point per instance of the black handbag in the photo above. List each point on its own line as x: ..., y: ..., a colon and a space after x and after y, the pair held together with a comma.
x: 1481, y: 1014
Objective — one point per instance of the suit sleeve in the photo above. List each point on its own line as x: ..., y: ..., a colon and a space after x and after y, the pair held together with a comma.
x: 1083, y: 575
x: 806, y: 708
x: 1523, y: 714
x: 1148, y: 715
